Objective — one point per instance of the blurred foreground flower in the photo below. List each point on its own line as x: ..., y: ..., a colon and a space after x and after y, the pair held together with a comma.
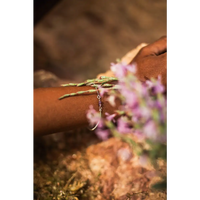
x: 143, y: 112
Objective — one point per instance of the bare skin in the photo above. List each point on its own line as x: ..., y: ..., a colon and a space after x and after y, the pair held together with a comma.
x: 151, y: 61
x: 52, y: 115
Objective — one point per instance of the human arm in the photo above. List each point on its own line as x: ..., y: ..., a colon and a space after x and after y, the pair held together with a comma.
x: 52, y: 115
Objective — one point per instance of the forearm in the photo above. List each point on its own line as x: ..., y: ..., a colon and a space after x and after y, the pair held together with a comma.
x: 52, y: 115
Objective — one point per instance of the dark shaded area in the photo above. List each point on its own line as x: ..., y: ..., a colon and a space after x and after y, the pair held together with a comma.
x: 94, y: 19
x: 42, y: 7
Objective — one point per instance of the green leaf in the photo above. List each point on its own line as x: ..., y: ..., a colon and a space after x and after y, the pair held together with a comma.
x: 91, y: 91
x: 64, y: 96
x: 69, y: 84
x: 91, y: 80
x: 107, y: 85
x: 118, y: 60
x: 81, y: 92
x: 109, y: 124
x: 120, y: 112
x: 81, y: 84
x: 104, y: 77
x: 73, y: 94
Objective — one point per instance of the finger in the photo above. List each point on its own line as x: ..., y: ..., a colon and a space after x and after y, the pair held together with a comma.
x: 156, y: 48
x: 160, y: 68
x: 152, y: 67
x: 164, y: 71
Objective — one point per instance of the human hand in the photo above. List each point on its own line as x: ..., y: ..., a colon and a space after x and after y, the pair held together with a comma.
x: 151, y: 61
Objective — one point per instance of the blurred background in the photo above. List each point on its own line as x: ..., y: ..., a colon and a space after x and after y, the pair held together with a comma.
x: 77, y: 40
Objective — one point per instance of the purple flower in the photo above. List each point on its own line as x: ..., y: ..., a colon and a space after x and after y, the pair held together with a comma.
x: 158, y: 88
x: 155, y: 86
x: 158, y: 105
x: 139, y: 134
x: 110, y: 117
x: 130, y: 97
x: 112, y: 64
x: 123, y: 126
x: 143, y: 108
x: 102, y: 91
x: 162, y: 117
x: 150, y: 130
x: 131, y: 68
x: 162, y: 138
x: 93, y: 116
x: 120, y: 69
x: 149, y: 84
x: 141, y: 112
x: 144, y: 91
x: 102, y: 134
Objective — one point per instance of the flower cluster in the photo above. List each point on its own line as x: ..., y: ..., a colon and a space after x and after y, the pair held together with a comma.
x: 142, y: 113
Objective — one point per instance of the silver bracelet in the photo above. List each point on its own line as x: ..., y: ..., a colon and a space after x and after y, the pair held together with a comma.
x: 100, y: 109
